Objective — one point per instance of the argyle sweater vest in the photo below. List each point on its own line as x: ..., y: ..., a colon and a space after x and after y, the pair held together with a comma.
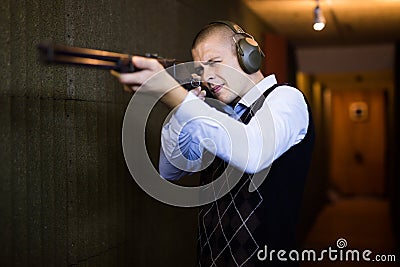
x: 235, y: 227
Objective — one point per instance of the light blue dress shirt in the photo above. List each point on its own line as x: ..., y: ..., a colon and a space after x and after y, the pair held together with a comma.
x: 195, y: 126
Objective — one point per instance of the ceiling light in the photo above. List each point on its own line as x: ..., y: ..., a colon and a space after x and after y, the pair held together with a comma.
x: 319, y: 19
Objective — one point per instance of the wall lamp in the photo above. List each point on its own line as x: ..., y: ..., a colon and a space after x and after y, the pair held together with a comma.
x: 319, y: 19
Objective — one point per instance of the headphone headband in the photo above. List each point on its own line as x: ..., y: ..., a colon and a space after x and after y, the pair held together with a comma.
x: 233, y: 26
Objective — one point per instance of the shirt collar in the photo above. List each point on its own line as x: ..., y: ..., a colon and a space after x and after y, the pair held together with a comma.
x: 256, y: 91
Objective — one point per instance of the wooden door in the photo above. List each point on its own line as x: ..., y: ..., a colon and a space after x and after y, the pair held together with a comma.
x: 358, y: 126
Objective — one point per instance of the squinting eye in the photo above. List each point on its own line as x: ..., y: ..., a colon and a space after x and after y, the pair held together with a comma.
x: 212, y: 63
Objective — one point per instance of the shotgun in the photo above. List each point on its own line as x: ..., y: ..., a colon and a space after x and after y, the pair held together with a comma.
x: 64, y: 54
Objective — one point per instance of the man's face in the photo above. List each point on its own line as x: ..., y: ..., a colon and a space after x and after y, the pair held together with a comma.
x: 220, y: 70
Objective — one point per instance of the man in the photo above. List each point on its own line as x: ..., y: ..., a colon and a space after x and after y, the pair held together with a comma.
x: 265, y: 128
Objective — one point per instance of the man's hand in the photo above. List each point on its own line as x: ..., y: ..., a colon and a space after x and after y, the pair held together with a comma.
x: 199, y: 93
x: 148, y: 67
x: 152, y: 79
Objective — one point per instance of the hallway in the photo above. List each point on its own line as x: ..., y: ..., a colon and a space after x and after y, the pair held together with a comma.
x: 363, y: 222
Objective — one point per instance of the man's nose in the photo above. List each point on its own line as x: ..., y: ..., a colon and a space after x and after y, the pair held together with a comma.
x: 208, y: 74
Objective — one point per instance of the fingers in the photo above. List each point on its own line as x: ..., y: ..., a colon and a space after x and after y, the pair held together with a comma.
x: 202, y: 95
x: 199, y: 93
x: 118, y: 75
x: 146, y: 66
x: 196, y: 90
x: 144, y: 63
x: 134, y: 78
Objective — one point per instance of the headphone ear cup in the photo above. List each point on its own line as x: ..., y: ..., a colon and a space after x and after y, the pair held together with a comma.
x: 248, y: 54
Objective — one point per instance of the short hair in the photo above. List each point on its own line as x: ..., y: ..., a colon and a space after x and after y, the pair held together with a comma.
x: 219, y: 29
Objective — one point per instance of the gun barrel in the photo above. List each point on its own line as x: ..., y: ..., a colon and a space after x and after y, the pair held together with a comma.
x: 55, y: 53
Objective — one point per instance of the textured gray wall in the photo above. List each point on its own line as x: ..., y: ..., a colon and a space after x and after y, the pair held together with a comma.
x: 66, y: 197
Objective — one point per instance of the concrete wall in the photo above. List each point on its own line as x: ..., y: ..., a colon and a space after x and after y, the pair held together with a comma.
x: 66, y: 197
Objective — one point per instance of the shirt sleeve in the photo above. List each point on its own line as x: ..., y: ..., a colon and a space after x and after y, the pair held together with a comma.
x: 167, y: 170
x: 280, y: 123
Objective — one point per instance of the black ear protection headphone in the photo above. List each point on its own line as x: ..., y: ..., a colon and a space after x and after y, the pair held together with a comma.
x: 248, y: 52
